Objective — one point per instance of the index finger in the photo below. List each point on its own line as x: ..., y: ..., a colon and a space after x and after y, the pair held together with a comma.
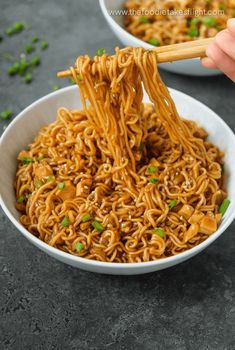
x: 231, y: 26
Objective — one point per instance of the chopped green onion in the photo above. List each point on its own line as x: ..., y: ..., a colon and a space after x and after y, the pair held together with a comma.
x: 44, y: 45
x: 29, y: 48
x: 222, y: 168
x: 14, y: 69
x: 79, y: 78
x: 79, y: 246
x: 28, y: 195
x: 222, y: 6
x: 38, y: 184
x: 86, y: 217
x: 71, y: 81
x: 17, y: 27
x: 56, y: 87
x: 144, y: 19
x: 50, y: 178
x: 209, y: 21
x: 28, y: 78
x: 9, y: 31
x: 194, y: 22
x: 35, y: 39
x: 97, y: 225
x: 35, y: 61
x: 61, y: 185
x: 154, y: 42
x: 193, y: 32
x: 6, y: 114
x: 26, y: 160
x: 100, y: 52
x: 40, y: 158
x: 65, y: 222
x: 20, y: 199
x: 159, y: 231
x: 141, y: 147
x: 172, y: 204
x: 224, y: 206
x: 23, y: 66
x: 154, y: 180
x: 152, y: 169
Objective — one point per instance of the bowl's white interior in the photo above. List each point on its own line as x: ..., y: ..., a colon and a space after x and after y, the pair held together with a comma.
x: 26, y: 125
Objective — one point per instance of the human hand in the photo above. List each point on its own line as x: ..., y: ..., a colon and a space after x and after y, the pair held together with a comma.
x: 221, y: 53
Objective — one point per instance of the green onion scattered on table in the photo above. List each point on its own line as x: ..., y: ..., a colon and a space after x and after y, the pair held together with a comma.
x: 17, y: 27
x: 28, y: 78
x: 56, y: 87
x: 35, y: 39
x: 29, y: 48
x: 44, y: 45
x: 14, y: 69
x: 35, y: 61
x: 6, y: 114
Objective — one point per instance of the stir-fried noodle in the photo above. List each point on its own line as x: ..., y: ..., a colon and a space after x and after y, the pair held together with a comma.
x: 120, y: 181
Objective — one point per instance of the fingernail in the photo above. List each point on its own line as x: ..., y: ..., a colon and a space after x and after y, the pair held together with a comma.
x: 231, y: 21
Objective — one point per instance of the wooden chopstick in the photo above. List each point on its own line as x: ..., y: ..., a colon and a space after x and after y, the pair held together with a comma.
x: 187, y: 44
x: 171, y: 53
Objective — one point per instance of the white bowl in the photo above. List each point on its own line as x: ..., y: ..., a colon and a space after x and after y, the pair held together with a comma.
x: 111, y: 8
x: 26, y: 125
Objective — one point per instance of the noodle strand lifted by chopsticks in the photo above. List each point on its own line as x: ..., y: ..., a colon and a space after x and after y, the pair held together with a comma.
x: 120, y: 181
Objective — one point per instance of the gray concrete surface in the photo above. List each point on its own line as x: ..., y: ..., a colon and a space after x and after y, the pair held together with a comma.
x: 47, y: 305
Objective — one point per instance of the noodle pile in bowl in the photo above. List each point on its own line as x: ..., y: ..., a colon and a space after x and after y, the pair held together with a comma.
x: 164, y: 22
x: 121, y: 181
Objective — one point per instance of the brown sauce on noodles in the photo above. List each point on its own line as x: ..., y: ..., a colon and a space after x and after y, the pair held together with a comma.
x: 120, y: 181
x: 165, y: 22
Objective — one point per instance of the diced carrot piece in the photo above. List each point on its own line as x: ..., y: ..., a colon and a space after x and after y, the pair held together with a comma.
x: 42, y: 170
x: 186, y: 211
x: 196, y: 217
x: 208, y: 225
x: 68, y: 192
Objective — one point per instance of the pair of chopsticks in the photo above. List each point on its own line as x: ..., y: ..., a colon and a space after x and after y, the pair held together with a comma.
x: 171, y: 53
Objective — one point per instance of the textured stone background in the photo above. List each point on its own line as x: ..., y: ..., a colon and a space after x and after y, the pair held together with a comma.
x: 47, y: 305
